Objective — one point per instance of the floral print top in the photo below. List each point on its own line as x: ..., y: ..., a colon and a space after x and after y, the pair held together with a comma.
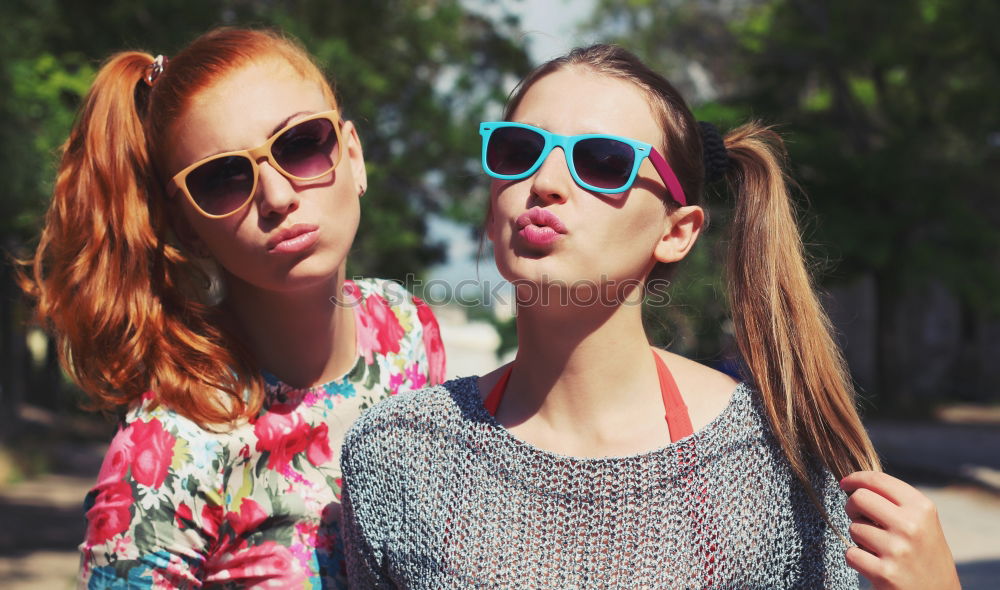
x: 258, y: 506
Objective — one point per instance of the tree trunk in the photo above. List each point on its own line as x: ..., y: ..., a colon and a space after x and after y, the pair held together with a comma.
x: 891, y: 394
x: 13, y: 351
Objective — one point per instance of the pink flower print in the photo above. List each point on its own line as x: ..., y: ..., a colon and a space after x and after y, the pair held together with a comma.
x: 367, y: 337
x: 176, y: 574
x: 305, y: 541
x: 250, y: 516
x: 118, y: 458
x: 432, y: 342
x: 182, y: 516
x: 351, y: 295
x: 388, y: 330
x: 124, y: 547
x: 307, y: 530
x: 268, y: 565
x: 211, y: 518
x: 110, y: 514
x: 318, y: 452
x: 283, y: 435
x: 395, y: 380
x: 416, y: 377
x: 152, y: 452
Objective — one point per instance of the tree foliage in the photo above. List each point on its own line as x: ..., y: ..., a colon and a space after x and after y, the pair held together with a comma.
x: 890, y: 113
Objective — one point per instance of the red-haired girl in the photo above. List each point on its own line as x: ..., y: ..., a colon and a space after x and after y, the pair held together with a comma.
x: 192, y: 267
x: 593, y: 460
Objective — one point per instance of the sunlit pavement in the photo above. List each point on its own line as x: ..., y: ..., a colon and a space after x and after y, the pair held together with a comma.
x: 936, y: 455
x: 971, y: 521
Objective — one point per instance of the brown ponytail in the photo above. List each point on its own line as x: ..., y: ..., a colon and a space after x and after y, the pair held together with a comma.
x: 118, y: 296
x: 782, y: 331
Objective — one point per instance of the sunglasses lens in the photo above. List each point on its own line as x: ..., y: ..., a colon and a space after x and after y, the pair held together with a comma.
x: 308, y: 149
x: 604, y: 163
x: 513, y: 150
x: 221, y: 185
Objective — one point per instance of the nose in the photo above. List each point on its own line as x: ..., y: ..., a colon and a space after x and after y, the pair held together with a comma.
x: 276, y: 194
x: 552, y: 181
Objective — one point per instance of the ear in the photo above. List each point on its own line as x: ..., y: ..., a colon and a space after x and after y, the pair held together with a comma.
x: 355, y: 156
x: 680, y: 231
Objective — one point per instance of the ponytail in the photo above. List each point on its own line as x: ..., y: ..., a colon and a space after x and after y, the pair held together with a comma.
x: 116, y: 296
x: 783, y: 334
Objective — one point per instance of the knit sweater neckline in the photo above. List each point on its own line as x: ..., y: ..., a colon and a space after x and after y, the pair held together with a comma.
x: 468, y: 388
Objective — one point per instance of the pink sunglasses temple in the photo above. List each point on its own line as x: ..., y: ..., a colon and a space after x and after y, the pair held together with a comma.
x: 668, y: 176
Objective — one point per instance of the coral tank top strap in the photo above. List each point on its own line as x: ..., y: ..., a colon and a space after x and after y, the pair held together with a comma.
x: 676, y: 412
x: 492, y: 401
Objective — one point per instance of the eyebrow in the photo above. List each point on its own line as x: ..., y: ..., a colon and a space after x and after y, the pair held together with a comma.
x: 281, y: 125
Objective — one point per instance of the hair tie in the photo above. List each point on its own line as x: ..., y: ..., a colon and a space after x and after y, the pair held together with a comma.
x: 714, y: 153
x: 154, y: 69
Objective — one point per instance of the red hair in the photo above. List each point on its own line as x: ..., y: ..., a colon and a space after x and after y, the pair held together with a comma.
x: 115, y: 292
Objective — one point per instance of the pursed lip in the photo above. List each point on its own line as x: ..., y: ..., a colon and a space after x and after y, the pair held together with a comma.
x: 541, y: 218
x: 289, y: 233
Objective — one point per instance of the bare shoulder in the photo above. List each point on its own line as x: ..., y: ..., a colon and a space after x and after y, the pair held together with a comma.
x: 705, y: 391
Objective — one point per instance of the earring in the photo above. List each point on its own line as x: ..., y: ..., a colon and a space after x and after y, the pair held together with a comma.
x: 208, y: 284
x: 213, y: 290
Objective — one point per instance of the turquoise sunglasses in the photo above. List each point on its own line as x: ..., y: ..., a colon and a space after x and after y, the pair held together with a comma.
x: 597, y: 162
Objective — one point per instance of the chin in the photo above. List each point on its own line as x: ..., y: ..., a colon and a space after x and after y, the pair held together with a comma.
x: 520, y: 270
x: 310, y: 273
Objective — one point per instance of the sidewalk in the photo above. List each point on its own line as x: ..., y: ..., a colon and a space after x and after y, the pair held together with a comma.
x: 957, y: 465
x: 939, y: 452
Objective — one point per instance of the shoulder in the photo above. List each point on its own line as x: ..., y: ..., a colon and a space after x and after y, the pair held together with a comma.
x: 155, y: 445
x: 372, y: 292
x: 392, y: 320
x: 706, y: 392
x: 149, y: 414
x: 393, y: 420
x: 390, y: 291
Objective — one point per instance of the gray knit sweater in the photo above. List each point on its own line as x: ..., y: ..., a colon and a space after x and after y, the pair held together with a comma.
x: 438, y: 495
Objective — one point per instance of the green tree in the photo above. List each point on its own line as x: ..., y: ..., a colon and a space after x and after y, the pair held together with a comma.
x: 891, y: 118
x: 893, y: 106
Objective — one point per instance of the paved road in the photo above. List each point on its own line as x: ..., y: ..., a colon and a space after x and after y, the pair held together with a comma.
x: 958, y: 466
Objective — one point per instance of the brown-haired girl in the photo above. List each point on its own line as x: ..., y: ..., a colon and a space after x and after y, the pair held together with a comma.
x: 594, y: 461
x: 192, y: 267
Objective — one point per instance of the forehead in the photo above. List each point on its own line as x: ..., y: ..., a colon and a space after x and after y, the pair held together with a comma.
x: 242, y: 110
x: 578, y: 99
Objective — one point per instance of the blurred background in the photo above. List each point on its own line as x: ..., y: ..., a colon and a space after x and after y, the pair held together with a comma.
x: 892, y: 119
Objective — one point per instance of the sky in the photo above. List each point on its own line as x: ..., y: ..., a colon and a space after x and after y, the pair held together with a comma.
x: 550, y: 25
x: 549, y: 31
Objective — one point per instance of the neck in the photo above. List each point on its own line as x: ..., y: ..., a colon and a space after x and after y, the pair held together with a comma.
x: 579, y: 369
x: 301, y: 337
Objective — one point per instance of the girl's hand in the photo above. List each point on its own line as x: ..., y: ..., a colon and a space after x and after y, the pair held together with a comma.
x: 899, y: 537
